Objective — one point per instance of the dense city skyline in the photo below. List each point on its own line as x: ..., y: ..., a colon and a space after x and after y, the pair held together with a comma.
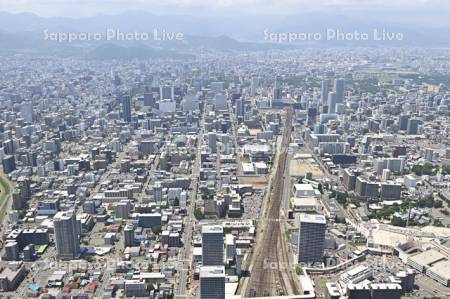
x: 230, y: 149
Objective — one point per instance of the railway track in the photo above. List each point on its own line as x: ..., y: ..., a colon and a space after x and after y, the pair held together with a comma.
x: 272, y: 274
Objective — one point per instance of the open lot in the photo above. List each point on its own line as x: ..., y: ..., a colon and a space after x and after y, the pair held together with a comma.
x: 298, y: 167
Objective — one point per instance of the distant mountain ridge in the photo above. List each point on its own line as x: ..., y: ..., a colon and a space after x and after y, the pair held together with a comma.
x: 25, y: 31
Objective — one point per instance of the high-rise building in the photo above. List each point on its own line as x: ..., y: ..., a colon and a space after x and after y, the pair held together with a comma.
x: 407, y: 279
x: 212, y: 142
x: 126, y: 108
x: 339, y: 89
x: 212, y: 282
x: 311, y: 238
x: 123, y: 209
x: 332, y: 101
x: 24, y: 185
x: 277, y: 94
x: 190, y: 102
x: 373, y: 190
x: 26, y: 111
x: 240, y: 107
x: 413, y: 126
x: 277, y: 91
x: 158, y: 192
x: 9, y: 164
x: 167, y: 92
x: 220, y: 102
x: 360, y: 186
x: 254, y: 86
x: 358, y: 291
x: 66, y: 235
x: 390, y: 190
x: 212, y: 245
x: 230, y: 243
x: 385, y: 291
x: 349, y: 179
x: 325, y: 90
x: 11, y: 251
x: 128, y: 235
x: 89, y: 207
x: 403, y: 122
x: 149, y: 100
x: 429, y: 153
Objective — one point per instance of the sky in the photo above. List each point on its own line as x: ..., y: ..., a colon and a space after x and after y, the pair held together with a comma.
x: 434, y: 11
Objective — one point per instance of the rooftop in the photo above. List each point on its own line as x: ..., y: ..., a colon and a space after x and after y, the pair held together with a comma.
x: 209, y: 229
x: 311, y: 218
x: 442, y: 268
x: 428, y: 257
x: 212, y: 271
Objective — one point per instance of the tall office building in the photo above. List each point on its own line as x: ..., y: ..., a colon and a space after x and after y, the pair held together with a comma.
x: 123, y: 209
x: 9, y: 164
x: 128, y: 235
x: 24, y: 185
x: 403, y: 122
x: 339, y: 89
x: 332, y: 101
x: 66, y: 235
x: 167, y: 92
x: 413, y: 126
x: 149, y: 100
x: 220, y: 102
x: 212, y: 282
x: 158, y: 192
x: 212, y: 245
x: 11, y: 251
x: 126, y: 108
x: 254, y: 86
x: 240, y: 107
x: 325, y: 90
x: 212, y: 142
x: 230, y: 244
x: 311, y: 238
x: 277, y: 92
x: 349, y: 179
x: 26, y: 111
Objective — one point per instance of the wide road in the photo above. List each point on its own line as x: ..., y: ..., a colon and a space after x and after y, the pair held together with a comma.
x: 185, y: 254
x: 271, y: 268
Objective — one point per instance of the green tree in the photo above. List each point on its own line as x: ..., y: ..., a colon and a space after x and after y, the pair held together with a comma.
x: 438, y: 223
x: 438, y: 204
x: 199, y: 214
x: 417, y: 169
x: 398, y: 222
x: 428, y: 169
x: 445, y: 169
x: 341, y: 198
x: 156, y: 229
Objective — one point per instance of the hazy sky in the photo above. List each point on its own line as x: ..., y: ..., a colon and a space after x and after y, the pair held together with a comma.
x: 435, y: 10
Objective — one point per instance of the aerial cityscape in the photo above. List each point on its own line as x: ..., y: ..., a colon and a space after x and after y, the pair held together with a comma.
x: 176, y: 164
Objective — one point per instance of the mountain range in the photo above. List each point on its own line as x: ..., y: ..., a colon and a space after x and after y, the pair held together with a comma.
x: 27, y: 32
